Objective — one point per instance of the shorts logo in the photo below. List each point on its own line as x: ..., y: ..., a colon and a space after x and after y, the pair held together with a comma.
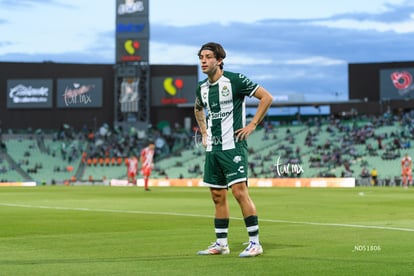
x: 241, y: 169
x: 237, y: 159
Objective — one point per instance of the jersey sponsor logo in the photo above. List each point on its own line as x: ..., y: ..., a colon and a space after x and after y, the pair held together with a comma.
x: 198, y: 102
x: 247, y: 81
x: 226, y: 102
x: 220, y: 115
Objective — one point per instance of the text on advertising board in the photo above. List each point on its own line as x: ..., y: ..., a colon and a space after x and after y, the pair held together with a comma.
x: 130, y: 28
x: 131, y: 6
x: 171, y: 86
x: 28, y: 94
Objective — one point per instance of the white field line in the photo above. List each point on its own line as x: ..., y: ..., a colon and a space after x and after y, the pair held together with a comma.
x: 207, y: 216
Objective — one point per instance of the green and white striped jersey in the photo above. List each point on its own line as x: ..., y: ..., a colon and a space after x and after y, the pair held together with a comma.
x: 226, y: 110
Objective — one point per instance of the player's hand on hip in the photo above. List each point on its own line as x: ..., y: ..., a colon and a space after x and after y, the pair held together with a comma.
x: 243, y: 133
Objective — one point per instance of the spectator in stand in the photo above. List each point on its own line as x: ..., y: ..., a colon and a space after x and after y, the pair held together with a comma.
x: 379, y: 140
x: 397, y: 143
x: 365, y: 176
x: 347, y: 169
x: 374, y: 177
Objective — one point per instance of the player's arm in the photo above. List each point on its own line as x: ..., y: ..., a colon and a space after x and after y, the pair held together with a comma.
x: 265, y: 100
x: 201, y: 120
x: 141, y: 158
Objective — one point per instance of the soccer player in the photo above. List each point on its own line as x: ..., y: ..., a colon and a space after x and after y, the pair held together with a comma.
x: 132, y: 169
x: 147, y: 162
x: 224, y: 133
x: 406, y: 170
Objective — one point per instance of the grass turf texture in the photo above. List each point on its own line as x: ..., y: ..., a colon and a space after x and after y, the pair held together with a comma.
x: 127, y: 231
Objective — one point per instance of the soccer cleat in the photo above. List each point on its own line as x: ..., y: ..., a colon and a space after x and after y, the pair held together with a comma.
x: 252, y: 250
x: 215, y: 249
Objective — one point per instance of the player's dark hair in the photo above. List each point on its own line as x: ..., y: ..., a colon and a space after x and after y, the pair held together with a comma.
x: 216, y: 48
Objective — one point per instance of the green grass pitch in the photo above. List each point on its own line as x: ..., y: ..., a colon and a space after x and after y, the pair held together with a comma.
x: 127, y: 231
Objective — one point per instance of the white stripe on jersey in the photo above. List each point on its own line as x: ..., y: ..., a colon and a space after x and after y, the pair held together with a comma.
x: 226, y: 106
x: 204, y: 91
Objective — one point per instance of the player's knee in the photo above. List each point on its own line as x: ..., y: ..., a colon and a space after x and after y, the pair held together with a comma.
x: 240, y: 195
x: 218, y: 196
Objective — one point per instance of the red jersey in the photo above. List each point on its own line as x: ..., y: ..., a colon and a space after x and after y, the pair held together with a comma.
x: 147, y: 155
x: 406, y: 164
x: 132, y: 165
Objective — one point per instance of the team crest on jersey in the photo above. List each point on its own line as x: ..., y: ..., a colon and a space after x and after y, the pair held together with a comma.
x: 225, y: 91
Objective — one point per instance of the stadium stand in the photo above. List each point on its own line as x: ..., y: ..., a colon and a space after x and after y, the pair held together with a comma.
x: 317, y: 148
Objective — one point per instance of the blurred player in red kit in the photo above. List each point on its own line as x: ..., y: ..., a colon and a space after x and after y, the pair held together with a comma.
x: 132, y: 169
x: 147, y: 162
x: 406, y: 170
